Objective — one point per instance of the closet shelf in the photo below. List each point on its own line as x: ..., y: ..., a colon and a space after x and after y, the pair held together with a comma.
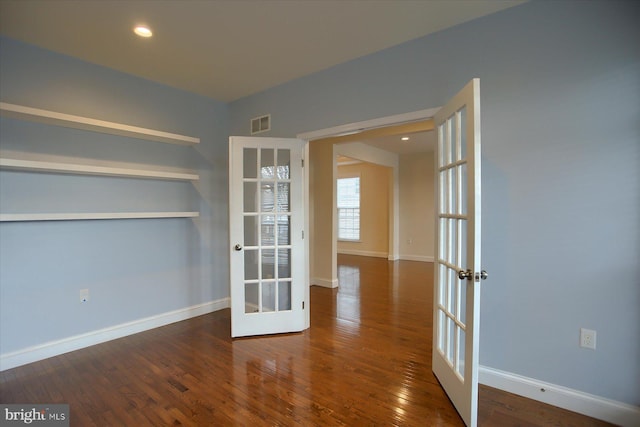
x: 93, y: 216
x: 83, y: 169
x: 78, y: 122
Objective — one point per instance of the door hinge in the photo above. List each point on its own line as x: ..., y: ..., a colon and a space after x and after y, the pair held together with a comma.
x: 302, y: 162
x: 302, y: 234
x: 303, y: 305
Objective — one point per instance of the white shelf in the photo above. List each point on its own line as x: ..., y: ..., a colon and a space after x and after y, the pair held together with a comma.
x: 57, y: 167
x: 78, y: 122
x: 93, y: 216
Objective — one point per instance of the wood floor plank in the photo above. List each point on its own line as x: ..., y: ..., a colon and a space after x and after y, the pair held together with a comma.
x: 366, y: 360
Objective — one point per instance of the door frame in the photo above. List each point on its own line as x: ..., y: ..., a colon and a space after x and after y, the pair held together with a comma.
x: 344, y: 130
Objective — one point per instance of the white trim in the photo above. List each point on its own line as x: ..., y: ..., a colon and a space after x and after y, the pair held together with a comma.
x: 421, y: 258
x: 363, y: 253
x: 81, y: 169
x: 325, y: 283
x: 612, y: 411
x: 94, y: 216
x: 379, y: 122
x: 77, y: 122
x: 65, y: 345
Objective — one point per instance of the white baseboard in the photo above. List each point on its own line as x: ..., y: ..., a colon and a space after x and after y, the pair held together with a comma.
x: 612, y: 411
x: 65, y: 345
x: 363, y: 253
x: 422, y: 258
x: 325, y: 283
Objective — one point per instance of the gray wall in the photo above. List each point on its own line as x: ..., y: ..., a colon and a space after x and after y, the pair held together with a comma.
x: 560, y: 84
x: 132, y: 268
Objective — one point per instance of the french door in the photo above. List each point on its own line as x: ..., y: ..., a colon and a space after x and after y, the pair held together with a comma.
x: 266, y: 221
x: 456, y: 311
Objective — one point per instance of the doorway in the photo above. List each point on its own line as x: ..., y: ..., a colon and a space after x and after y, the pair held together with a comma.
x: 347, y: 140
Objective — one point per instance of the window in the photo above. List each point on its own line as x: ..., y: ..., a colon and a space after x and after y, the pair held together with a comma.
x: 349, y: 208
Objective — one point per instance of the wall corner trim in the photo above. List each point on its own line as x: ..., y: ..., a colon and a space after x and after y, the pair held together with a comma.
x: 421, y: 258
x: 65, y: 345
x: 612, y: 411
x: 325, y: 283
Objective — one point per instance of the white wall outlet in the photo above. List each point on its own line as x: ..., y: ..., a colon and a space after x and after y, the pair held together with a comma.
x: 84, y: 295
x: 587, y: 338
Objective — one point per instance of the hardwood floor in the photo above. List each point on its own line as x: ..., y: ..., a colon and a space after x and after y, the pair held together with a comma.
x: 365, y: 361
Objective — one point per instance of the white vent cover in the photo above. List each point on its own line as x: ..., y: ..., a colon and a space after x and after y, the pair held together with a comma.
x: 261, y: 124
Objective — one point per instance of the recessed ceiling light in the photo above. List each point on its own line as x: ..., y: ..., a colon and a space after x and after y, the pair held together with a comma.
x: 143, y: 31
x: 405, y: 138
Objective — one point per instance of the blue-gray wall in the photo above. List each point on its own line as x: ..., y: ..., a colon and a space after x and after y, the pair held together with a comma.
x: 132, y: 268
x: 560, y: 85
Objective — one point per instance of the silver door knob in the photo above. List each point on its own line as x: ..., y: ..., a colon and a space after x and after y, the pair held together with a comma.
x: 462, y: 274
x: 237, y: 247
x: 484, y: 274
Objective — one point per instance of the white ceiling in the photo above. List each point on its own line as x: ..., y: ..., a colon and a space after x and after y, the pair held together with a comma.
x: 419, y: 142
x: 228, y: 49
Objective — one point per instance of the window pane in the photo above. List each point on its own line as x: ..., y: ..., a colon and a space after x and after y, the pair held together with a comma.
x: 349, y: 192
x: 348, y: 200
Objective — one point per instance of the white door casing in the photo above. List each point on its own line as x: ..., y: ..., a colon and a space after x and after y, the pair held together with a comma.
x: 457, y: 271
x: 266, y: 223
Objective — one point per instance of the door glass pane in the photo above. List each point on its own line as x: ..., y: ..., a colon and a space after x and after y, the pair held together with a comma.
x: 284, y: 263
x: 454, y: 242
x: 442, y: 247
x: 450, y: 339
x: 251, y: 303
x: 284, y: 161
x: 461, y: 350
x: 284, y: 295
x: 452, y: 143
x: 442, y: 208
x: 463, y: 132
x: 283, y: 197
x: 250, y: 163
x: 453, y: 187
x: 250, y: 197
x: 268, y: 230
x: 458, y: 139
x: 268, y: 261
x: 251, y: 230
x: 268, y: 196
x: 268, y: 296
x: 441, y: 330
x: 441, y: 145
x: 463, y: 243
x: 442, y: 280
x: 250, y: 264
x: 463, y: 189
x: 284, y: 231
x: 453, y: 296
x: 267, y: 163
x: 462, y: 316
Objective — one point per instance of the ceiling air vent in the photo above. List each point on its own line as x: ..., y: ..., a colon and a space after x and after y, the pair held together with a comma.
x: 261, y: 124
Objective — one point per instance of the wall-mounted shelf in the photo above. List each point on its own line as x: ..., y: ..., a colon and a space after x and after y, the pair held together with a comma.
x: 78, y: 122
x: 83, y: 169
x: 94, y: 216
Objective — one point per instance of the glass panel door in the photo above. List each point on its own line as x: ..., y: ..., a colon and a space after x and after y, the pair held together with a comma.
x: 266, y: 224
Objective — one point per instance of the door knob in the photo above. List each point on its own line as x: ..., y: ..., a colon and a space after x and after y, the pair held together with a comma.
x: 468, y: 274
x: 237, y: 247
x: 462, y: 274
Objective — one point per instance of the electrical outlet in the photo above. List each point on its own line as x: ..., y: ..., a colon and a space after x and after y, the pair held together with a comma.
x: 587, y: 338
x: 84, y: 295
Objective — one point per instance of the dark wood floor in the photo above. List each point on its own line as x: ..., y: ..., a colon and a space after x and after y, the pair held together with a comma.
x: 365, y: 361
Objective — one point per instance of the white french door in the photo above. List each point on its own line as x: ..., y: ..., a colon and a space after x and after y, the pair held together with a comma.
x: 266, y: 221
x: 456, y: 311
